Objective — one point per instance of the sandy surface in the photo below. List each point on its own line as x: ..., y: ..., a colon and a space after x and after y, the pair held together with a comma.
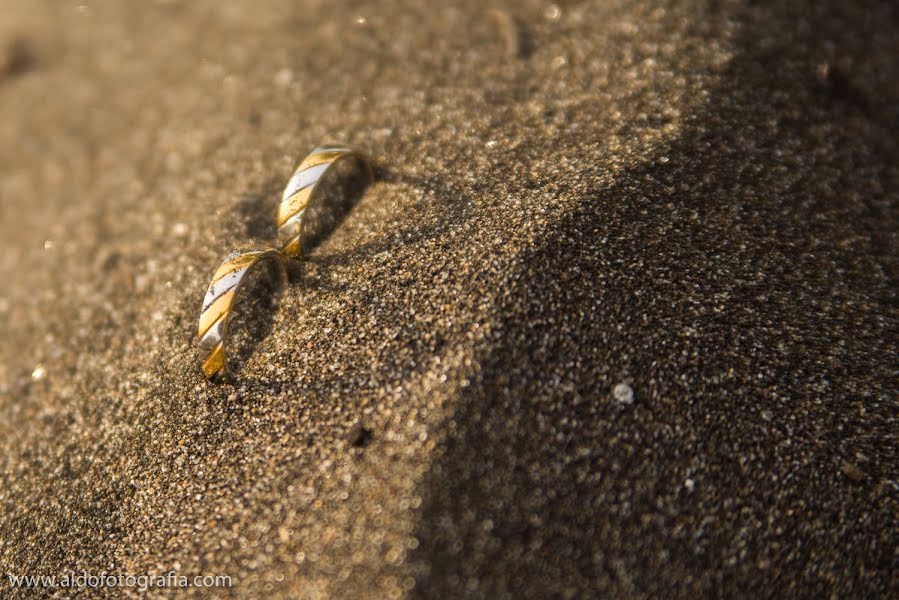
x: 695, y: 199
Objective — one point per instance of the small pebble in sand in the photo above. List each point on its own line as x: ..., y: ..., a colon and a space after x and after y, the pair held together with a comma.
x: 852, y: 472
x: 623, y: 393
x: 39, y: 372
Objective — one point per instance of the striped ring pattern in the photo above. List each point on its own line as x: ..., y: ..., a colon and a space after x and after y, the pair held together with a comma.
x: 219, y: 301
x: 298, y: 193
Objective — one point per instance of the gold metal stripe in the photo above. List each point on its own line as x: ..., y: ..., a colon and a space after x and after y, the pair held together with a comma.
x: 212, y: 314
x: 292, y: 248
x: 202, y: 334
x: 322, y: 157
x: 235, y: 264
x: 294, y: 204
x: 215, y: 362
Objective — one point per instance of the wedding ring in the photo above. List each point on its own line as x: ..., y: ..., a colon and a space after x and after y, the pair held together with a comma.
x: 219, y: 302
x: 300, y: 189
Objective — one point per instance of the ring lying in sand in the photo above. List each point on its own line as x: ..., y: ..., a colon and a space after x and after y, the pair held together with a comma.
x: 219, y: 301
x: 302, y: 185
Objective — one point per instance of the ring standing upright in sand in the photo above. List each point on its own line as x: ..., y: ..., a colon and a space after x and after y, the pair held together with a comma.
x: 219, y: 302
x: 298, y: 193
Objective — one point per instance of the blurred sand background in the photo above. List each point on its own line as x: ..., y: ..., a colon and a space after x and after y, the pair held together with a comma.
x: 697, y: 199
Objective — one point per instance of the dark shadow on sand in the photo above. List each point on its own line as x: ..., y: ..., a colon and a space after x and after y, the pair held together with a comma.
x: 338, y: 192
x: 548, y: 487
x: 253, y: 316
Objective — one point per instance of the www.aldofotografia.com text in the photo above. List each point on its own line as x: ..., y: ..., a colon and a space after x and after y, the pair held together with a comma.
x: 72, y: 580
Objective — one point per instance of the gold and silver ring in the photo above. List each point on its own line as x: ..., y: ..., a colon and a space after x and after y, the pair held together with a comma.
x: 218, y: 303
x: 299, y: 192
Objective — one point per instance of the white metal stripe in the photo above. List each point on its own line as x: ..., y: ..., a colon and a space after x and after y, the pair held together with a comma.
x: 292, y: 227
x: 303, y: 179
x: 222, y: 286
x: 213, y: 336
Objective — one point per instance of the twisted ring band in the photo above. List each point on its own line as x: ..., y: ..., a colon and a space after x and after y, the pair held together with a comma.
x: 219, y: 302
x: 298, y: 193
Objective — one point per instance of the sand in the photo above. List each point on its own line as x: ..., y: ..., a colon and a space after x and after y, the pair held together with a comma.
x: 695, y: 200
